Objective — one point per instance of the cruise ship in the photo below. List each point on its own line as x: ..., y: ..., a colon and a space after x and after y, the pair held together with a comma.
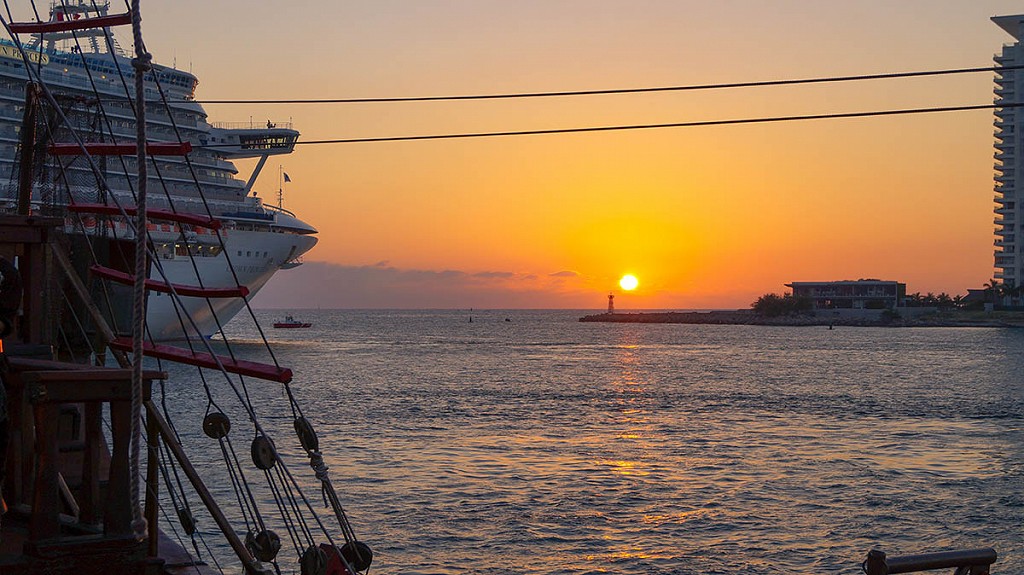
x: 88, y: 76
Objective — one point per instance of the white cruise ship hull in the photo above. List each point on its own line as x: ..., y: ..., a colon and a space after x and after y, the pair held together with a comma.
x: 254, y: 255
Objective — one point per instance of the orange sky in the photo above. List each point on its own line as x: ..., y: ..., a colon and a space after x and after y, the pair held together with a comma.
x: 705, y: 217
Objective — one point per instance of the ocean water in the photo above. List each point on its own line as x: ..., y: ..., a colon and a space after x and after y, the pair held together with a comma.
x: 545, y: 446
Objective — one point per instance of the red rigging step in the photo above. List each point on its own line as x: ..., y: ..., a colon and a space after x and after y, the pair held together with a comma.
x: 200, y: 359
x: 70, y: 24
x: 180, y: 289
x: 105, y: 149
x: 191, y: 219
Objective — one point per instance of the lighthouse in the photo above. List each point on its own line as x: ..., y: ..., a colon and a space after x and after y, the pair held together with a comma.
x: 611, y: 303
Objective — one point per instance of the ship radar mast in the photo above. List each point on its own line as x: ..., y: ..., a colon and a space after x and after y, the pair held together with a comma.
x: 66, y: 10
x: 282, y: 178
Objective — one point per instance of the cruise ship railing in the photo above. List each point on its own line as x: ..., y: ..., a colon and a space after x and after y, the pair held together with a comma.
x: 965, y: 562
x: 251, y: 125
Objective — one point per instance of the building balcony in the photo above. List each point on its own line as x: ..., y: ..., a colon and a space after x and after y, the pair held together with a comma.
x: 1005, y: 178
x: 1005, y: 198
x: 1004, y: 161
x: 1006, y: 231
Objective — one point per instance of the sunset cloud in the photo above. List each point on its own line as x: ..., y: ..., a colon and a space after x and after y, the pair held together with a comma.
x: 320, y: 284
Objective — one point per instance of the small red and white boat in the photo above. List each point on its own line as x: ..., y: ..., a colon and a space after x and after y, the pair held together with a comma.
x: 291, y: 322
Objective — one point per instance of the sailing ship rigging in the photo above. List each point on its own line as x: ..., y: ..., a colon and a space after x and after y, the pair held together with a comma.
x: 96, y: 250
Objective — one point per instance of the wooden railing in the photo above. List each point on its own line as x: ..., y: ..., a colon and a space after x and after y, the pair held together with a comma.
x: 37, y: 389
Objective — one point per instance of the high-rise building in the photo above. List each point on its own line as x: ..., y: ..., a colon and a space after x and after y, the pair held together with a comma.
x: 1009, y: 125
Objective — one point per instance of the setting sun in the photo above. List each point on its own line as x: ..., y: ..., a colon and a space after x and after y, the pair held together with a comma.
x: 629, y: 282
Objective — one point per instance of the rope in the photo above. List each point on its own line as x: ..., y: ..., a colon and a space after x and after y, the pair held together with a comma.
x: 316, y: 461
x: 142, y: 64
x: 288, y: 494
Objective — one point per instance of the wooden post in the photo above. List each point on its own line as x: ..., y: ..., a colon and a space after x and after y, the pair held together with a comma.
x: 36, y: 274
x: 152, y: 483
x: 94, y: 446
x: 117, y: 519
x: 45, y: 520
x: 19, y: 466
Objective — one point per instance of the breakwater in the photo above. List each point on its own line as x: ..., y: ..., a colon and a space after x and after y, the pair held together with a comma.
x: 748, y: 317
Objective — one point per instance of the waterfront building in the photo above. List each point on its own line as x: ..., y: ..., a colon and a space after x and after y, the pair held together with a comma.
x: 851, y: 294
x: 1009, y: 123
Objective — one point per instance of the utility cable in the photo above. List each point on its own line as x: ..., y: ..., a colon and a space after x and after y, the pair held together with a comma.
x: 685, y: 88
x: 695, y: 124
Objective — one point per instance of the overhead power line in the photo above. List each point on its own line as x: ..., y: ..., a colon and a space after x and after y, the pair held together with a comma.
x: 766, y: 120
x: 686, y: 88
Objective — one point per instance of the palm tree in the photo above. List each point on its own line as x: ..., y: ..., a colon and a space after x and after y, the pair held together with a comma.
x: 1015, y: 293
x: 991, y: 290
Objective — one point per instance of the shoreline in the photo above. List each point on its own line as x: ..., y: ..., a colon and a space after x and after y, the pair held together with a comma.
x: 748, y: 317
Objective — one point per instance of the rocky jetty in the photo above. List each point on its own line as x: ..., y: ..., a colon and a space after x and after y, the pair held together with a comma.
x: 748, y: 317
